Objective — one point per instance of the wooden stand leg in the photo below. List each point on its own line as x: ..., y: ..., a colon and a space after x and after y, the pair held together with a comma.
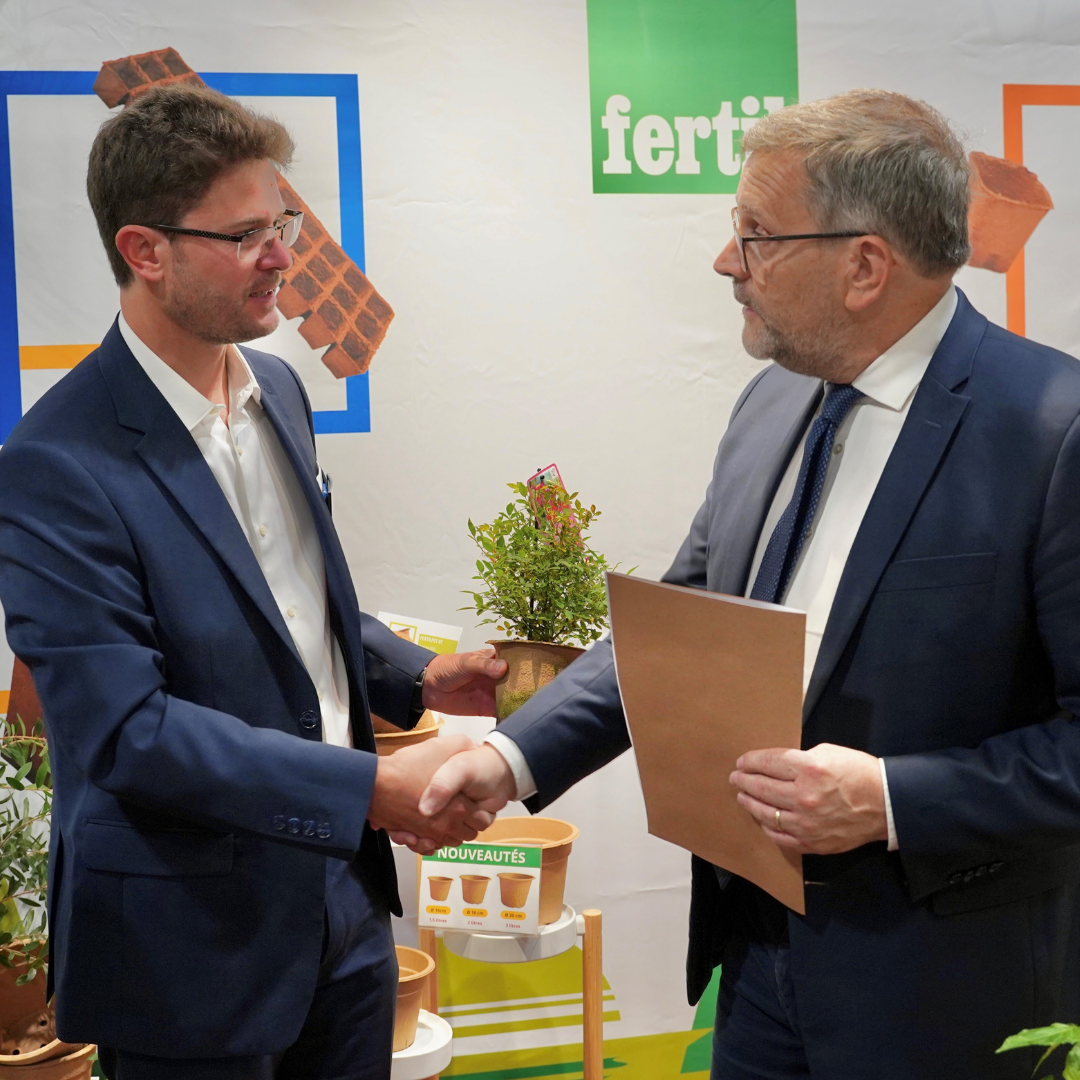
x: 593, y: 995
x: 431, y: 991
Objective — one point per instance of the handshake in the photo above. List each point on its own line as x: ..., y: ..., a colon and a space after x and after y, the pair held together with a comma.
x: 440, y: 792
x: 446, y: 790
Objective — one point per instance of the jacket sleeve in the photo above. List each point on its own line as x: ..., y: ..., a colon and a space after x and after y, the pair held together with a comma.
x: 77, y: 614
x: 1018, y: 792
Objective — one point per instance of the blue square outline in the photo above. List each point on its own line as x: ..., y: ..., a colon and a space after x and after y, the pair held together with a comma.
x: 356, y: 416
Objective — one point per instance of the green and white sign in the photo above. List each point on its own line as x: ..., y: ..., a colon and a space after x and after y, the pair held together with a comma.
x: 675, y: 83
x: 487, y: 888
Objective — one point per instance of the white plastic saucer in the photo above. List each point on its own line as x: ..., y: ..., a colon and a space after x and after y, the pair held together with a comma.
x: 429, y: 1054
x: 553, y: 939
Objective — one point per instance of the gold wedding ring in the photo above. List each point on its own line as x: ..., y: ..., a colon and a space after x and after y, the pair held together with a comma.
x: 779, y: 827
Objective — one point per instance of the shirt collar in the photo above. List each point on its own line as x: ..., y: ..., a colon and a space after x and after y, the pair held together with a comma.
x: 893, y: 377
x: 189, y: 405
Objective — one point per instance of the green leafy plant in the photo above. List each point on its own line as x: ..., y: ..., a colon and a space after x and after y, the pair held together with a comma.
x: 25, y: 805
x: 542, y: 582
x: 1051, y: 1037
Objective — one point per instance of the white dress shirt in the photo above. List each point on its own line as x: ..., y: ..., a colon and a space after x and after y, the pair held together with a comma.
x: 861, y: 449
x: 258, y: 480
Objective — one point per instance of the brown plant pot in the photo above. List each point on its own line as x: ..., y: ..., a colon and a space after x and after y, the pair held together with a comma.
x: 473, y: 887
x: 514, y: 889
x: 18, y: 1002
x: 556, y: 838
x: 439, y: 887
x: 414, y: 967
x: 532, y: 664
x: 389, y: 738
x: 1007, y: 202
x: 75, y: 1065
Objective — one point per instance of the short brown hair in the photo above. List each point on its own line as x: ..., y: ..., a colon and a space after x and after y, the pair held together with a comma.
x: 882, y: 163
x: 153, y: 162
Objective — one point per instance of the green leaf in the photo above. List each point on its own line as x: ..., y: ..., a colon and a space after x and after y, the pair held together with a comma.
x: 1053, y: 1035
x: 1071, y: 1071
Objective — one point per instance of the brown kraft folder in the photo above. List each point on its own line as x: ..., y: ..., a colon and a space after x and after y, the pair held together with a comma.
x: 704, y: 678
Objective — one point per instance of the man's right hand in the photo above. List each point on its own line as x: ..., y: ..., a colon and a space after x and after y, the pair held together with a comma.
x: 480, y: 774
x: 402, y: 778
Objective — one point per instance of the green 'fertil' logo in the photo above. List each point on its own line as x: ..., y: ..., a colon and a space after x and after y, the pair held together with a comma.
x: 675, y: 83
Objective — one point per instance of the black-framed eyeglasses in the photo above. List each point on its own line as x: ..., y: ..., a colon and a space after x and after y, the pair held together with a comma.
x: 741, y: 241
x: 250, y: 246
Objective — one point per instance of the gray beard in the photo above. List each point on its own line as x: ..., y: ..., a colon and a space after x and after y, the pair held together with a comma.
x: 809, y: 352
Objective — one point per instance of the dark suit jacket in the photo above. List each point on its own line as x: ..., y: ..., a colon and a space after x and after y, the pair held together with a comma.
x: 195, y: 802
x: 953, y: 651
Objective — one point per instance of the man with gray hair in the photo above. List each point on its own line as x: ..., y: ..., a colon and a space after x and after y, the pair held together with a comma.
x: 909, y: 475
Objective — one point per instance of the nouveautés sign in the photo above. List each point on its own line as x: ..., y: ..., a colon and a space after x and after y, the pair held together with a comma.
x: 675, y: 83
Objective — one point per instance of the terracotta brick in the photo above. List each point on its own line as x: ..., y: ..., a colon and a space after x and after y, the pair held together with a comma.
x: 338, y: 304
x: 341, y: 364
x: 121, y: 80
x: 1007, y: 202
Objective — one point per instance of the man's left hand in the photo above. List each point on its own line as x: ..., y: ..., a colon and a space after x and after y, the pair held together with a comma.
x: 463, y: 684
x: 830, y: 798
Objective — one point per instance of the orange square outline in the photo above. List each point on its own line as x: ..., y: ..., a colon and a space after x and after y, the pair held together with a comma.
x: 1014, y: 97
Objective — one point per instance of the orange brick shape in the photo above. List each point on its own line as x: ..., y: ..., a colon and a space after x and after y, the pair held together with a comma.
x: 339, y: 306
x: 1007, y: 202
x: 121, y: 80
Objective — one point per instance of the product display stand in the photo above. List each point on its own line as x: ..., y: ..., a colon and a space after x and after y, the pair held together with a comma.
x: 553, y: 939
x: 430, y: 1052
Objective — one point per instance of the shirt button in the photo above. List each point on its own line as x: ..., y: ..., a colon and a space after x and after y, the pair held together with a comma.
x: 291, y: 612
x: 239, y: 451
x: 262, y: 530
x: 838, y: 449
x: 323, y: 832
x: 294, y: 825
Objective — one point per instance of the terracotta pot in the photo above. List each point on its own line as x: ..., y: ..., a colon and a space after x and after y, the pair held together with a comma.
x: 473, y: 887
x: 439, y: 887
x: 388, y: 738
x: 72, y: 1066
x: 532, y: 664
x: 414, y: 967
x: 1007, y: 202
x: 514, y: 889
x: 555, y: 837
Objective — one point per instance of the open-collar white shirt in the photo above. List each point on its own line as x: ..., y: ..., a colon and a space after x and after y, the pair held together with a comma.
x: 258, y: 480
x: 861, y: 450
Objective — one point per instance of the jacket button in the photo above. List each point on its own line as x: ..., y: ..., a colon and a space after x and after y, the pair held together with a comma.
x: 309, y: 828
x: 278, y: 822
x: 309, y: 720
x: 324, y: 832
x: 294, y: 824
x: 955, y: 879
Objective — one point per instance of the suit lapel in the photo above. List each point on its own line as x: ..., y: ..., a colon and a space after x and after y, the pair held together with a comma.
x: 171, y: 454
x: 924, y: 439
x: 774, y: 429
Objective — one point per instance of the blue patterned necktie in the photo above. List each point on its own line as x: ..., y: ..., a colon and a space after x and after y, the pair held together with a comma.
x: 786, y: 542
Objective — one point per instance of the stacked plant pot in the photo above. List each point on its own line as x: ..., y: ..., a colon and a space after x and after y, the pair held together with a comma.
x: 29, y: 1049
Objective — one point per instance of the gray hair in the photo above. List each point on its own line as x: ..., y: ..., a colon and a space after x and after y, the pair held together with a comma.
x: 882, y: 163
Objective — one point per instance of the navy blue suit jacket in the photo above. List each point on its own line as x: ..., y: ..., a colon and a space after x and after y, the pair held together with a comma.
x: 953, y: 651
x: 195, y: 802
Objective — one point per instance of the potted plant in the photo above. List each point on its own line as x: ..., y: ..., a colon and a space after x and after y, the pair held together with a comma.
x: 1051, y: 1037
x: 543, y: 585
x: 27, y: 1035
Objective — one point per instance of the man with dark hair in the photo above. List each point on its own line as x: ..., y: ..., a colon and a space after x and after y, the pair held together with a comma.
x: 220, y: 885
x: 908, y: 475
